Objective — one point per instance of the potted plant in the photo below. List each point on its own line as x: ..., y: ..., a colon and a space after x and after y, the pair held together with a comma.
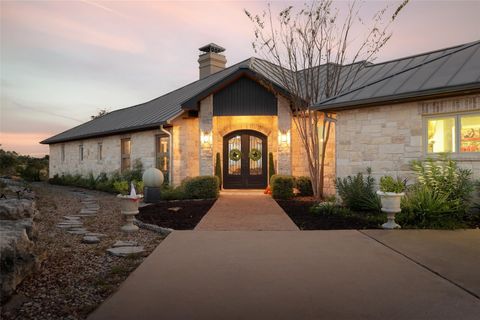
x: 391, y: 192
x: 128, y: 202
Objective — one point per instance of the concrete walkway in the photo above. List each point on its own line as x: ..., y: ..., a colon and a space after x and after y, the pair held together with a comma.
x: 454, y: 255
x: 246, y: 210
x: 284, y: 275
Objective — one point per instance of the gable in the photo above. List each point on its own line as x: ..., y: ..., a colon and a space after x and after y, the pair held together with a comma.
x: 244, y: 97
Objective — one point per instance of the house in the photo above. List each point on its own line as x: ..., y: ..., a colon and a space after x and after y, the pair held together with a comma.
x: 394, y: 112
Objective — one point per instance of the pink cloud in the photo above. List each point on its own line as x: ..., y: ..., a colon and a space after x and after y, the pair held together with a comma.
x: 69, y: 27
x: 25, y: 143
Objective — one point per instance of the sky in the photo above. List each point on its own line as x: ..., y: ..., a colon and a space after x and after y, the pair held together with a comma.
x: 63, y: 61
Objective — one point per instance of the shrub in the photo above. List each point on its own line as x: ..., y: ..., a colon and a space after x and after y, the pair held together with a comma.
x: 282, y: 186
x: 443, y: 177
x: 202, y: 187
x: 135, y: 173
x: 304, y: 186
x: 271, y: 166
x: 424, y: 208
x: 389, y: 184
x: 121, y: 187
x: 330, y: 209
x: 358, y: 192
x: 218, y: 169
x: 170, y: 193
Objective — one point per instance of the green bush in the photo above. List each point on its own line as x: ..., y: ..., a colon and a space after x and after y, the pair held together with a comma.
x: 170, y: 193
x: 202, y: 187
x: 444, y: 177
x: 358, y: 192
x: 218, y: 169
x: 330, y: 209
x: 441, y: 196
x: 121, y: 187
x: 271, y: 166
x: 304, y: 186
x: 389, y: 184
x: 282, y: 186
x: 134, y: 174
x: 424, y: 208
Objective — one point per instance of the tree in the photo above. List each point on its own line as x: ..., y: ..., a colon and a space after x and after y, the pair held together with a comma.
x: 100, y: 113
x: 318, y: 57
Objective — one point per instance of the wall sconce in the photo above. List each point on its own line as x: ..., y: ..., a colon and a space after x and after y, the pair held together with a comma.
x: 284, y: 137
x: 206, y: 137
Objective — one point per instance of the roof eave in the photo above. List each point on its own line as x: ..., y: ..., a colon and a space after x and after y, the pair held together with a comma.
x: 402, y: 98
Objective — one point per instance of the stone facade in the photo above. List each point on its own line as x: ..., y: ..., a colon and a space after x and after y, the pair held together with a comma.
x: 387, y: 138
x: 143, y: 149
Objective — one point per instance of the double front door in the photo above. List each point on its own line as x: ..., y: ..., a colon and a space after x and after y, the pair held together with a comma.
x: 245, y: 160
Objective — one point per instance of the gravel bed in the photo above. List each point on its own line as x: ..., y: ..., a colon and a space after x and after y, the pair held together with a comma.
x: 74, y: 277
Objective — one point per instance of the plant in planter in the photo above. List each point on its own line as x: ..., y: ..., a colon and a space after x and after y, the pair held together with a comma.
x: 128, y: 203
x: 391, y: 192
x: 271, y: 172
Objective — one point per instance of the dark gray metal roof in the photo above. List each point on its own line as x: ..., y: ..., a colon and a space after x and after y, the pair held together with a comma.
x: 159, y: 111
x: 456, y: 68
x: 443, y: 71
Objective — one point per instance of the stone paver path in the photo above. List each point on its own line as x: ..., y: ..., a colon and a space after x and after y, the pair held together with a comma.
x: 283, y: 275
x: 246, y: 210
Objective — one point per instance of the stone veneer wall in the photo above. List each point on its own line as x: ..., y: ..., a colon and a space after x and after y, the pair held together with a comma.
x: 143, y: 148
x: 186, y: 142
x: 300, y: 162
x: 387, y: 138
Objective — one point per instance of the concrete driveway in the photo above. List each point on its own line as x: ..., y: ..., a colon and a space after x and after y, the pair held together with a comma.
x: 288, y: 275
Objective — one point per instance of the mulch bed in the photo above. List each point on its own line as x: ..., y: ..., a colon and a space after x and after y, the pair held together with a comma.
x: 189, y: 215
x: 298, y: 211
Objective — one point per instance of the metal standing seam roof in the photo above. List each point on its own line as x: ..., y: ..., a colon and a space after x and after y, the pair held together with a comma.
x: 451, y: 68
x: 442, y: 71
x: 158, y: 111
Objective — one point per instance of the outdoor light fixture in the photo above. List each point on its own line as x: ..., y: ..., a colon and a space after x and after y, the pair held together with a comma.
x: 206, y: 137
x: 284, y: 137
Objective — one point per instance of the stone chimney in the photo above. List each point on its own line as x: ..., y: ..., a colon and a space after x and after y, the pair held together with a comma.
x: 210, y: 60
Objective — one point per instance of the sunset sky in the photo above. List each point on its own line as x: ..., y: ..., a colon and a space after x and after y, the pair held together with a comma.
x: 63, y: 61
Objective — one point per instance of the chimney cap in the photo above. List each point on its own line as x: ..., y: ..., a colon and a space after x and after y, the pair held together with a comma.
x: 211, y: 47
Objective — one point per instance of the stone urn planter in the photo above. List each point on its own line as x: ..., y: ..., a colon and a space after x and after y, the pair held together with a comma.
x: 129, y: 208
x: 391, y: 206
x: 391, y: 193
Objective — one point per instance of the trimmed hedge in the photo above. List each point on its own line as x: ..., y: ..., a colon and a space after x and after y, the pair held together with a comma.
x: 282, y: 186
x: 304, y: 186
x: 202, y: 187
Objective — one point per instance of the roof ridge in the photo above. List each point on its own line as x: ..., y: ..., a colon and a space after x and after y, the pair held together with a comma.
x: 460, y: 48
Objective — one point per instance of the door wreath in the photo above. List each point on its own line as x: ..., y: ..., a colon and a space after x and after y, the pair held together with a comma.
x: 235, y: 155
x: 255, y: 154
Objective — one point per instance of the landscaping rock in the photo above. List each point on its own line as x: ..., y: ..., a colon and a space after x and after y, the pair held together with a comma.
x: 175, y: 209
x: 125, y: 251
x: 14, y: 209
x: 16, y: 254
x: 96, y: 234
x: 72, y: 218
x: 121, y: 243
x: 78, y: 231
x: 90, y: 239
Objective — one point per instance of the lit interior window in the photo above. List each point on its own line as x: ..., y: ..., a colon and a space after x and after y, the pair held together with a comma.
x: 470, y: 133
x: 441, y: 135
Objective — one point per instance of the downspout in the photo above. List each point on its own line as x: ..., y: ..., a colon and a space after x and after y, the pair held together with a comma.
x: 170, y: 153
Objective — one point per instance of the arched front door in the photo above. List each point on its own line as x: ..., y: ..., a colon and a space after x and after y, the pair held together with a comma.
x: 244, y: 160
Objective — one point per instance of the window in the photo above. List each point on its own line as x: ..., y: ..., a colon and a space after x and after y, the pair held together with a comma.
x: 456, y: 133
x: 162, y: 147
x: 99, y: 151
x: 62, y: 153
x: 80, y: 152
x: 470, y: 133
x: 126, y: 150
